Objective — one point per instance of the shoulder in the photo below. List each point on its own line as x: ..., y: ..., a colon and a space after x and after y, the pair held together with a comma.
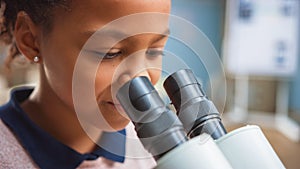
x: 12, y: 154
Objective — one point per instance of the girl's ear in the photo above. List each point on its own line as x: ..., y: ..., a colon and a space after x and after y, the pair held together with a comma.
x: 26, y: 36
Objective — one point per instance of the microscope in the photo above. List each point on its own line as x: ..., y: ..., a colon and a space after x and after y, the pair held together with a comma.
x: 193, y: 137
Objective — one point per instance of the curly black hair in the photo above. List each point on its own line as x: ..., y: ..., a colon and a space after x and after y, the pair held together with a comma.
x: 40, y: 11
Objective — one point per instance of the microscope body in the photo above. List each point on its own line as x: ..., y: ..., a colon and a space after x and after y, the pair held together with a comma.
x: 243, y: 148
x: 196, y: 137
x: 201, y: 152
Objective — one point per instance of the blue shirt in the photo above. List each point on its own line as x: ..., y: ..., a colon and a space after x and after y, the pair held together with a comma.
x: 45, y: 150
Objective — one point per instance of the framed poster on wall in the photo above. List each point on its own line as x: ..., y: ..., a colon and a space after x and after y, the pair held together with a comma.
x: 262, y: 37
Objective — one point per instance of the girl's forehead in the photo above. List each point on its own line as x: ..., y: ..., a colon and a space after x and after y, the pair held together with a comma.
x: 92, y: 14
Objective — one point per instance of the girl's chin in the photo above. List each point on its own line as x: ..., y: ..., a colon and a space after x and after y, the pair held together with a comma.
x: 119, y: 125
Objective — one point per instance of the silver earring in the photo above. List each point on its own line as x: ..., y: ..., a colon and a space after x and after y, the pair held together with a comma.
x: 36, y: 59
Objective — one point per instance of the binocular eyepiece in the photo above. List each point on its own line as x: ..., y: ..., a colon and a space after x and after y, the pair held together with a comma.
x: 197, y: 113
x: 158, y: 128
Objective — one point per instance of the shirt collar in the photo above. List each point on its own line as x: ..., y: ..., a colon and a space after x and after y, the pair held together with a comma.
x: 46, y: 151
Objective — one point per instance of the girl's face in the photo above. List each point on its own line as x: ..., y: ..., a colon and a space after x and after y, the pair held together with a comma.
x: 60, y: 48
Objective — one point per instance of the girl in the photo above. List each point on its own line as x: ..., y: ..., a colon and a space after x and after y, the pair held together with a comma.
x: 39, y: 127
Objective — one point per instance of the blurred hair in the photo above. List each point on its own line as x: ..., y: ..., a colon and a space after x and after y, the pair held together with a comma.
x: 40, y: 11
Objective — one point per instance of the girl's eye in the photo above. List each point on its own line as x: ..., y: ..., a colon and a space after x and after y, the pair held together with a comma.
x: 155, y: 52
x: 111, y: 55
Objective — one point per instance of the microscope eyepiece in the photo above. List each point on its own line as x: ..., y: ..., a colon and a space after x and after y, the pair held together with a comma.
x: 197, y: 113
x: 182, y: 86
x: 158, y: 128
